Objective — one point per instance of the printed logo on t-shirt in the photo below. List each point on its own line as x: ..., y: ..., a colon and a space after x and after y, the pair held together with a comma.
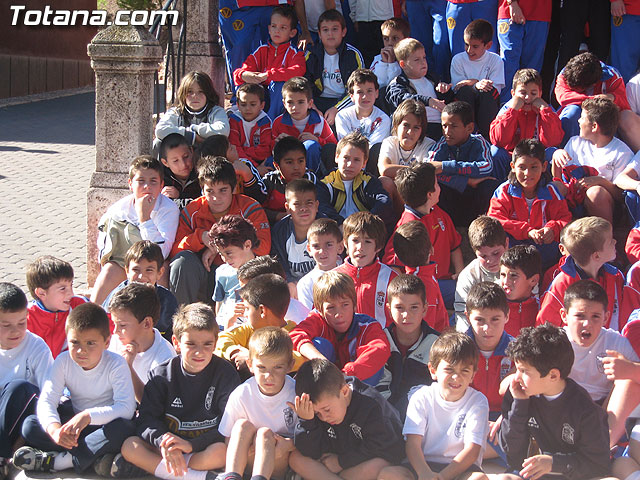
x: 357, y: 431
x: 568, y: 434
x: 288, y: 417
x: 209, y: 398
x: 332, y: 433
x: 532, y: 423
x: 334, y: 76
x: 177, y: 403
x: 461, y: 424
x: 505, y: 367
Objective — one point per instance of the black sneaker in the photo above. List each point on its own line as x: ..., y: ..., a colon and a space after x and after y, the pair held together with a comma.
x: 102, y: 466
x: 120, y: 468
x: 29, y: 458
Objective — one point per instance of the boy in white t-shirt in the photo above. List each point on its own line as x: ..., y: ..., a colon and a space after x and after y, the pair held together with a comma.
x: 364, y: 116
x: 447, y: 421
x: 596, y: 147
x: 257, y: 413
x: 135, y: 310
x: 24, y: 362
x: 477, y: 75
x: 324, y: 244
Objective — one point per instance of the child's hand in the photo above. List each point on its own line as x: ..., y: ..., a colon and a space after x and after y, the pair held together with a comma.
x: 173, y: 449
x: 535, y: 235
x: 546, y: 235
x: 536, y: 466
x: 144, y: 206
x: 494, y: 427
x: 243, y: 170
x: 238, y: 311
x: 518, y: 103
x: 588, y: 182
x: 254, y: 77
x: 561, y: 158
x: 616, y: 367
x: 281, y: 136
x: 284, y: 445
x: 330, y: 115
x: 77, y: 423
x: 330, y: 460
x: 517, y: 392
x: 617, y: 8
x: 304, y: 136
x: 539, y: 103
x: 387, y: 54
x: 437, y: 104
x: 207, y: 258
x: 170, y: 192
x: 303, y: 407
x: 443, y: 87
x: 463, y: 83
x: 263, y: 169
x: 63, y: 437
x: 240, y: 357
x: 437, y: 166
x: 484, y: 85
x: 129, y: 352
x: 516, y: 14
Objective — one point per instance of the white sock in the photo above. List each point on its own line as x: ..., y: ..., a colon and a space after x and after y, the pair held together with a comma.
x: 634, y: 476
x: 63, y: 461
x: 162, y: 472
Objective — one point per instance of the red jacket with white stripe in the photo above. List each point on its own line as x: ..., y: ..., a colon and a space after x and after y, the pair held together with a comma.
x: 362, y: 351
x: 316, y: 125
x: 279, y: 62
x: 371, y: 288
x: 610, y: 82
x: 509, y: 206
x: 511, y: 126
x: 436, y: 316
x: 50, y: 325
x: 609, y: 278
x: 521, y: 315
x: 257, y: 146
x: 491, y: 371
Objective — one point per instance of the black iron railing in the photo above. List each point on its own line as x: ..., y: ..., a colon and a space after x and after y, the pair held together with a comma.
x: 175, y: 56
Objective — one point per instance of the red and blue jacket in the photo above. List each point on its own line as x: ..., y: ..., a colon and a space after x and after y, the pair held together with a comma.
x: 279, y: 62
x: 521, y: 315
x: 257, y: 146
x: 361, y: 352
x: 510, y: 126
x: 371, y: 288
x: 632, y: 247
x: 491, y: 371
x: 316, y: 125
x: 50, y: 325
x: 609, y: 278
x: 631, y: 330
x: 610, y: 82
x: 443, y: 234
x: 509, y: 206
x: 436, y: 316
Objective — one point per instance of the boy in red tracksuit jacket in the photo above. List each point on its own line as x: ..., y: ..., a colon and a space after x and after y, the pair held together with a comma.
x: 488, y: 313
x: 353, y: 341
x: 277, y: 61
x: 412, y: 245
x: 632, y: 247
x: 420, y: 191
x: 519, y: 275
x: 250, y: 127
x: 50, y: 282
x: 590, y: 244
x: 364, y: 234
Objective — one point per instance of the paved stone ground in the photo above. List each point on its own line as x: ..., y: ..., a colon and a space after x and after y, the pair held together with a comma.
x: 47, y: 155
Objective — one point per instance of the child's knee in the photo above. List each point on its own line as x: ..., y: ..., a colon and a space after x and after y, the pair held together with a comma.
x: 130, y: 446
x: 597, y: 193
x: 243, y: 428
x: 265, y: 436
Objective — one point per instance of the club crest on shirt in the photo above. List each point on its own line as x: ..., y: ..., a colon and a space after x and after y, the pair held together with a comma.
x: 505, y: 367
x: 460, y: 425
x: 380, y: 299
x: 288, y: 417
x: 209, y: 398
x: 357, y: 431
x: 568, y: 434
x: 332, y: 433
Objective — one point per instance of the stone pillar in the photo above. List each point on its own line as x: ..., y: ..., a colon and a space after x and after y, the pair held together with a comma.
x: 124, y: 59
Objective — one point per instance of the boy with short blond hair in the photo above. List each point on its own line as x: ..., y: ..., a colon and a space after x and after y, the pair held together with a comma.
x: 94, y: 423
x: 410, y: 338
x: 146, y: 214
x: 345, y: 429
x: 334, y: 331
x: 385, y: 65
x: 419, y: 188
x: 324, y: 244
x: 190, y: 389
x: 272, y: 64
x: 364, y: 236
x: 258, y: 414
x: 50, y: 282
x: 520, y: 269
x: 266, y: 299
x: 135, y: 310
x: 488, y: 241
x: 413, y: 248
x: 352, y: 190
x: 289, y: 236
x: 435, y: 412
x: 144, y: 263
x: 590, y: 244
x: 195, y: 256
x: 24, y: 362
x: 180, y: 176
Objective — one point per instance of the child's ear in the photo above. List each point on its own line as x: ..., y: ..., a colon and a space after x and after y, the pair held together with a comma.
x: 563, y: 315
x: 248, y: 362
x: 40, y: 292
x: 512, y: 165
x: 148, y: 322
x: 164, y: 162
x: 310, y: 103
x: 176, y: 343
x: 554, y: 374
x: 160, y: 270
x: 534, y: 280
x: 401, y: 63
x: 264, y: 311
x: 340, y: 248
x: 247, y: 245
x: 293, y: 32
x: 513, y: 93
x: 487, y: 45
x: 470, y: 127
x: 432, y: 369
x: 544, y: 166
x: 607, y: 315
x: 286, y: 205
x: 344, y: 32
x: 262, y: 104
